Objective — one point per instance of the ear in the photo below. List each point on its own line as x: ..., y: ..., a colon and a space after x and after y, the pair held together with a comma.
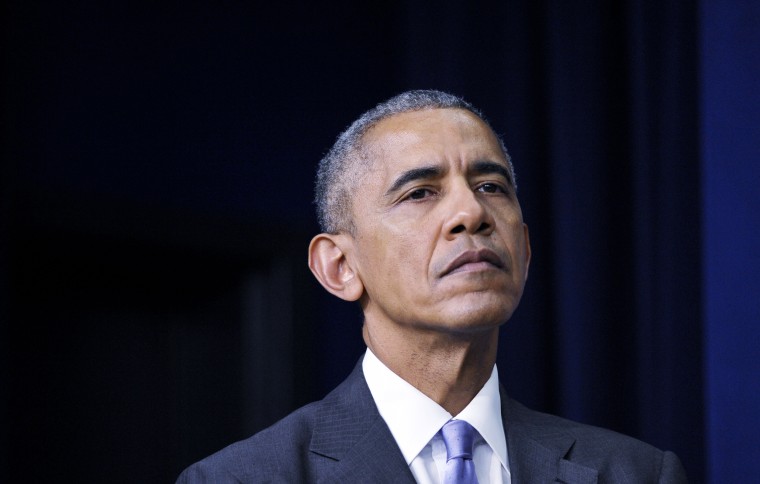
x: 330, y: 264
x: 527, y: 250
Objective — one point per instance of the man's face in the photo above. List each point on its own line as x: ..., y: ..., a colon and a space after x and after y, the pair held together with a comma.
x: 439, y: 241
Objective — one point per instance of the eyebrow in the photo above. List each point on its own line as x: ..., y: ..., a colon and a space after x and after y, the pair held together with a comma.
x: 423, y: 173
x: 488, y: 167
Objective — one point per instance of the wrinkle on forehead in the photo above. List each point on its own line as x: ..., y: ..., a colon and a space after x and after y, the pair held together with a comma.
x: 431, y: 138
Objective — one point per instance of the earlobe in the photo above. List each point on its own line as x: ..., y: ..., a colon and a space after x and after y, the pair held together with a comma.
x: 330, y: 264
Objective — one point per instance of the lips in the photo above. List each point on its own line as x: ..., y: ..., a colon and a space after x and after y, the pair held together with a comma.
x: 474, y: 257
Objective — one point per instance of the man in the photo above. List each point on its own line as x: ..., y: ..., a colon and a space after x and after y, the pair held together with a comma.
x: 422, y: 226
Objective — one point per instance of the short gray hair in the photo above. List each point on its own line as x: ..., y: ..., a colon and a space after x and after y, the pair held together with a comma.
x: 338, y: 173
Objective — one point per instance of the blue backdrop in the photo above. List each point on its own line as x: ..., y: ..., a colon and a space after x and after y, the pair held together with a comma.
x: 730, y: 126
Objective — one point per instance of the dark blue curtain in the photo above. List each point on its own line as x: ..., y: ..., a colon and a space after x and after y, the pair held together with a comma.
x: 730, y: 126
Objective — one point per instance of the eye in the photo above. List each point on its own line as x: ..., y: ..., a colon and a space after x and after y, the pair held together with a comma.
x: 419, y: 194
x: 491, y: 188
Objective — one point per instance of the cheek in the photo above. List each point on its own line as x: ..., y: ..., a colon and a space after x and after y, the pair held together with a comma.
x: 518, y: 253
x: 398, y: 254
x: 386, y: 262
x: 407, y: 260
x: 405, y: 265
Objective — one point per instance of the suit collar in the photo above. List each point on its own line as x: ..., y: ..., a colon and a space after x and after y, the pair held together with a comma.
x: 538, y: 453
x: 349, y: 430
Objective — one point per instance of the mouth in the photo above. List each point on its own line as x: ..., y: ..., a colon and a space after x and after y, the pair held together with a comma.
x: 474, y: 260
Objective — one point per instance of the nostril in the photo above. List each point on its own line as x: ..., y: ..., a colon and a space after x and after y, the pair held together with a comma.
x: 483, y: 227
x: 458, y: 229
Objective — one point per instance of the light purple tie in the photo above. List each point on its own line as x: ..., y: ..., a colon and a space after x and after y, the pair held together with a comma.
x: 458, y: 436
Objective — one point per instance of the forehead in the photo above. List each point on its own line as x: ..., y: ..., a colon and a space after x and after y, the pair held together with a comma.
x: 431, y: 136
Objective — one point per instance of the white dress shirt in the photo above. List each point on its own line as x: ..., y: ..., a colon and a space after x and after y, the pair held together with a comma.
x: 415, y: 422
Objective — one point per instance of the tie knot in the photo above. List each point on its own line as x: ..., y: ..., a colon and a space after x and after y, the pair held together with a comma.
x: 457, y: 437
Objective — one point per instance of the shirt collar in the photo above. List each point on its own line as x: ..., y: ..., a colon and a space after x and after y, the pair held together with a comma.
x: 414, y: 419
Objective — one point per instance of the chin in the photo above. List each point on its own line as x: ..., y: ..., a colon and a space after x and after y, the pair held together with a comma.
x: 481, y: 316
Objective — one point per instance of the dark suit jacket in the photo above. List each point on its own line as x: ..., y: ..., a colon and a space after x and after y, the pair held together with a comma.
x: 342, y: 438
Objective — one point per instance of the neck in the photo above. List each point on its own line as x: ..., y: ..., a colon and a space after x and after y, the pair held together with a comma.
x: 450, y: 368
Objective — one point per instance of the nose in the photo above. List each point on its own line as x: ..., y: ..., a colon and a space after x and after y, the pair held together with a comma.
x: 466, y: 213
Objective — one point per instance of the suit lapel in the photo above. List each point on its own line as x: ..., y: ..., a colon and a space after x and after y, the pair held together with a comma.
x: 354, y: 439
x: 374, y: 458
x: 537, y: 453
